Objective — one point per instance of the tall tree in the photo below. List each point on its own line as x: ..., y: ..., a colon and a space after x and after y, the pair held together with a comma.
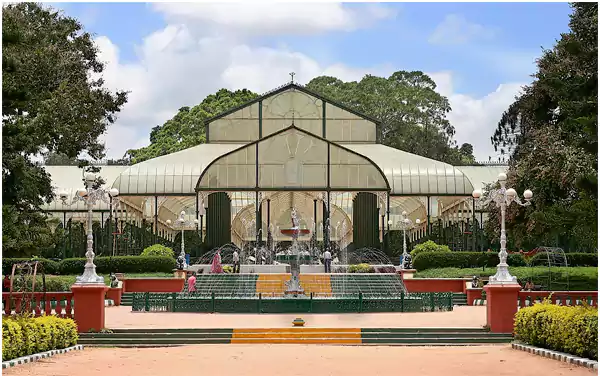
x: 53, y: 101
x: 186, y: 128
x: 412, y: 113
x: 552, y: 130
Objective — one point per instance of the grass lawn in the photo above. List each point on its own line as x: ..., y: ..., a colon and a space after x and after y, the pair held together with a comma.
x: 572, y: 278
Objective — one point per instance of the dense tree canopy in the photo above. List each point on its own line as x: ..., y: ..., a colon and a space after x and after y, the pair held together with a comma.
x: 53, y: 101
x: 552, y: 130
x: 186, y: 128
x: 412, y: 113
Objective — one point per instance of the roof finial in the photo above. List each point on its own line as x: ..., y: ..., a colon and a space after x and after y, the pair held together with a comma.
x: 292, y: 74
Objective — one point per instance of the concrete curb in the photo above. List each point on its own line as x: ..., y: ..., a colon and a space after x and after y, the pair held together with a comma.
x: 35, y: 357
x: 556, y: 355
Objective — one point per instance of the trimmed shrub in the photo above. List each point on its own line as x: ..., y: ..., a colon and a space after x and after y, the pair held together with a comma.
x: 121, y: 264
x: 430, y: 260
x: 361, y: 268
x: 573, y: 330
x: 22, y: 335
x: 428, y: 246
x: 573, y: 259
x: 158, y: 250
x: 50, y: 267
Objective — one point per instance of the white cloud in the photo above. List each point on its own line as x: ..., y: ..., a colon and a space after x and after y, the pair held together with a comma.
x: 475, y: 119
x: 455, y: 29
x: 178, y: 67
x: 275, y: 18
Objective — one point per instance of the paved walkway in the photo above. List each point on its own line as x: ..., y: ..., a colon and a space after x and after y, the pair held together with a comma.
x: 461, y: 317
x: 299, y: 360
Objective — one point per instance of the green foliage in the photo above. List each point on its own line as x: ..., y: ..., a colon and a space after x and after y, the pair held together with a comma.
x: 361, y: 268
x: 428, y: 246
x: 158, y: 250
x: 49, y: 266
x: 556, y: 151
x: 121, y: 264
x: 578, y: 279
x: 22, y: 335
x: 573, y: 329
x: 573, y: 259
x: 187, y: 128
x: 53, y: 101
x: 412, y: 113
x: 227, y: 269
x: 118, y: 264
x: 430, y: 260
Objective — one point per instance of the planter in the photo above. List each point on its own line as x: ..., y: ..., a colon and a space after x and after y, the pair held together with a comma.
x: 115, y: 294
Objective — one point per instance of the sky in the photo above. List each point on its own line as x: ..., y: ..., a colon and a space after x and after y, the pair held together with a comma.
x: 170, y: 55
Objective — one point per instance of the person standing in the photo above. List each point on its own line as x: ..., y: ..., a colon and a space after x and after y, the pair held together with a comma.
x: 192, y: 283
x: 327, y: 259
x: 236, y: 262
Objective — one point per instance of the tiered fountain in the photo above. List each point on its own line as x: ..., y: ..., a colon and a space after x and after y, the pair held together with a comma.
x: 294, y: 256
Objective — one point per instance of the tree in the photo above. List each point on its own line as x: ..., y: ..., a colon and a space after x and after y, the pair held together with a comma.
x: 412, y: 113
x: 186, y: 128
x: 552, y: 130
x: 53, y: 102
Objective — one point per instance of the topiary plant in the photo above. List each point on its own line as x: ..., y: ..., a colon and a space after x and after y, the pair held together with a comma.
x: 158, y: 250
x: 428, y: 246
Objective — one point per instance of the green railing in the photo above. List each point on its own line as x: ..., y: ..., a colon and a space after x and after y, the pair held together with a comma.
x: 185, y: 302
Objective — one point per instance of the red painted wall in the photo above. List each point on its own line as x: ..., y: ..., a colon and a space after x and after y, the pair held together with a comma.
x: 153, y: 284
x: 435, y: 284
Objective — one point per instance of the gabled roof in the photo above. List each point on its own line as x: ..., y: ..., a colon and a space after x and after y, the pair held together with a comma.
x: 284, y: 88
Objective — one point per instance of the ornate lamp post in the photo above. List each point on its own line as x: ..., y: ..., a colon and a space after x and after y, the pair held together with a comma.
x: 406, y: 224
x: 182, y: 223
x: 91, y: 196
x: 502, y: 197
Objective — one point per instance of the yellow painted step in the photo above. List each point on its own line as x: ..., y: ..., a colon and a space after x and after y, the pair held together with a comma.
x: 297, y: 336
x: 274, y: 284
x: 298, y: 341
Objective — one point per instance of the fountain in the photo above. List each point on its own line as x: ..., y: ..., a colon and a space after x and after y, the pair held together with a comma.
x: 294, y: 258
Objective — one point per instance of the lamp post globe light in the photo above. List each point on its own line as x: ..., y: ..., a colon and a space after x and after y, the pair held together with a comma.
x: 502, y: 197
x: 91, y: 196
x: 181, y: 223
x: 406, y: 224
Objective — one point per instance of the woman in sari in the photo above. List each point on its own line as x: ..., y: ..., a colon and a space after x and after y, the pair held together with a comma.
x: 216, y: 266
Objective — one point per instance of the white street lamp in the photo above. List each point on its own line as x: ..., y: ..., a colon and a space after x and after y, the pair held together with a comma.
x: 406, y: 224
x: 503, y: 197
x: 91, y: 196
x: 180, y: 222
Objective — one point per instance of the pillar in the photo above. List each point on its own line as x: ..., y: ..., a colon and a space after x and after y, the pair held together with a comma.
x: 89, y: 307
x: 501, y: 306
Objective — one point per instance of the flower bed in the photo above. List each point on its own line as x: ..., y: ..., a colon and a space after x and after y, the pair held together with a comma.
x: 573, y: 330
x: 23, y: 336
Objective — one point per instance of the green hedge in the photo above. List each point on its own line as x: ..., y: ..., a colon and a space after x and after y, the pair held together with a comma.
x: 430, y: 260
x: 573, y: 330
x: 573, y: 259
x: 428, y: 246
x: 361, y: 268
x: 23, y: 336
x: 576, y: 278
x: 158, y: 250
x: 50, y: 267
x: 122, y: 264
x: 118, y: 264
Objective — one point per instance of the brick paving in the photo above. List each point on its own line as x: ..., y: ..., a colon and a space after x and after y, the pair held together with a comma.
x: 299, y: 360
x: 461, y: 317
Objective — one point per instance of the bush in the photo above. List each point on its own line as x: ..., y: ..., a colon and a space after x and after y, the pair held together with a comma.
x: 361, y: 268
x: 573, y: 330
x: 121, y: 264
x: 430, y: 260
x: 428, y: 246
x: 23, y: 335
x: 158, y: 250
x: 573, y: 259
x: 576, y: 278
x: 386, y: 269
x: 227, y: 269
x: 49, y: 266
